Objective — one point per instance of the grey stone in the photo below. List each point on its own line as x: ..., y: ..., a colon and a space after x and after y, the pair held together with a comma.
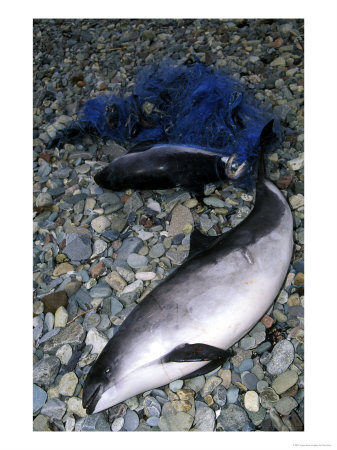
x: 95, y: 422
x: 285, y: 381
x: 285, y: 405
x: 131, y: 420
x: 136, y: 261
x: 101, y: 290
x: 54, y: 408
x: 45, y: 370
x: 210, y: 384
x: 232, y: 418
x: 281, y: 357
x: 72, y: 334
x: 153, y: 421
x: 220, y: 395
x: 249, y: 380
x: 195, y: 383
x: 204, y: 419
x: 232, y: 394
x: 268, y: 397
x: 48, y: 336
x: 78, y: 246
x: 177, y: 257
x: 133, y: 203
x: 175, y: 385
x: 130, y: 245
x: 91, y: 321
x: 214, y: 201
x: 157, y: 250
x: 39, y: 398
x: 151, y: 406
x: 247, y: 343
x: 246, y: 364
x: 115, y: 306
x: 83, y: 298
x: 175, y: 422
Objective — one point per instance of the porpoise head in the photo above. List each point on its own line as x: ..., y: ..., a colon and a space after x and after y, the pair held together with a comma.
x: 99, y: 379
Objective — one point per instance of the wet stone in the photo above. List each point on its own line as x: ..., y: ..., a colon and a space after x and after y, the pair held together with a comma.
x: 247, y: 343
x: 195, y: 383
x: 210, y: 384
x: 97, y: 339
x: 72, y: 334
x: 131, y: 421
x: 68, y: 384
x: 175, y: 385
x: 232, y: 394
x: 204, y: 419
x: 39, y: 398
x: 246, y: 364
x: 232, y: 418
x: 53, y: 301
x: 220, y: 395
x: 45, y: 370
x: 268, y: 397
x: 74, y: 406
x: 78, y: 247
x: 54, y: 408
x: 251, y: 401
x: 285, y: 405
x: 64, y: 353
x: 285, y: 381
x: 175, y: 422
x: 95, y: 422
x: 249, y: 380
x: 136, y: 261
x: 41, y: 423
x: 151, y: 407
x: 91, y: 321
x: 282, y: 356
x: 157, y: 250
x: 100, y: 224
x: 101, y: 290
x: 117, y: 411
x: 115, y: 281
x: 117, y: 424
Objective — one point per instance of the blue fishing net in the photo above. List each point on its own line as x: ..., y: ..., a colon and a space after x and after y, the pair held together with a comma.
x: 182, y: 104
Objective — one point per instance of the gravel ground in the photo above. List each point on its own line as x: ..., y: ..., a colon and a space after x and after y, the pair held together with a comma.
x: 98, y: 253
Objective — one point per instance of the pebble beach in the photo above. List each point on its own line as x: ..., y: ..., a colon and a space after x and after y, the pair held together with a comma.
x: 98, y: 253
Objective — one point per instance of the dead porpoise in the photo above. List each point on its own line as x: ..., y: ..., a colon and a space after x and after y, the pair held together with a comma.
x: 199, y: 312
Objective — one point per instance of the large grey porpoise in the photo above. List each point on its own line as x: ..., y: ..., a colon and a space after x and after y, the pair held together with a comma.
x: 213, y: 299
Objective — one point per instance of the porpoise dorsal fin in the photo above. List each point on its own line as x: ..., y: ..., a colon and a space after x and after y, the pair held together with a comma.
x: 195, y: 352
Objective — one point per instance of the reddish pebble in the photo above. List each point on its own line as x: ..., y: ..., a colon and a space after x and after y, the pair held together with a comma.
x: 102, y: 86
x: 81, y: 83
x: 148, y: 223
x: 45, y: 156
x: 284, y: 181
x: 98, y: 270
x: 59, y: 221
x: 267, y: 321
x: 48, y: 238
x: 53, y: 301
x: 125, y: 198
x: 63, y: 244
x: 277, y: 43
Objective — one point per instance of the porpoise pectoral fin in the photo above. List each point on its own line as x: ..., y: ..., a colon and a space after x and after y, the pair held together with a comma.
x: 207, y: 368
x: 195, y: 352
x: 200, y: 242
